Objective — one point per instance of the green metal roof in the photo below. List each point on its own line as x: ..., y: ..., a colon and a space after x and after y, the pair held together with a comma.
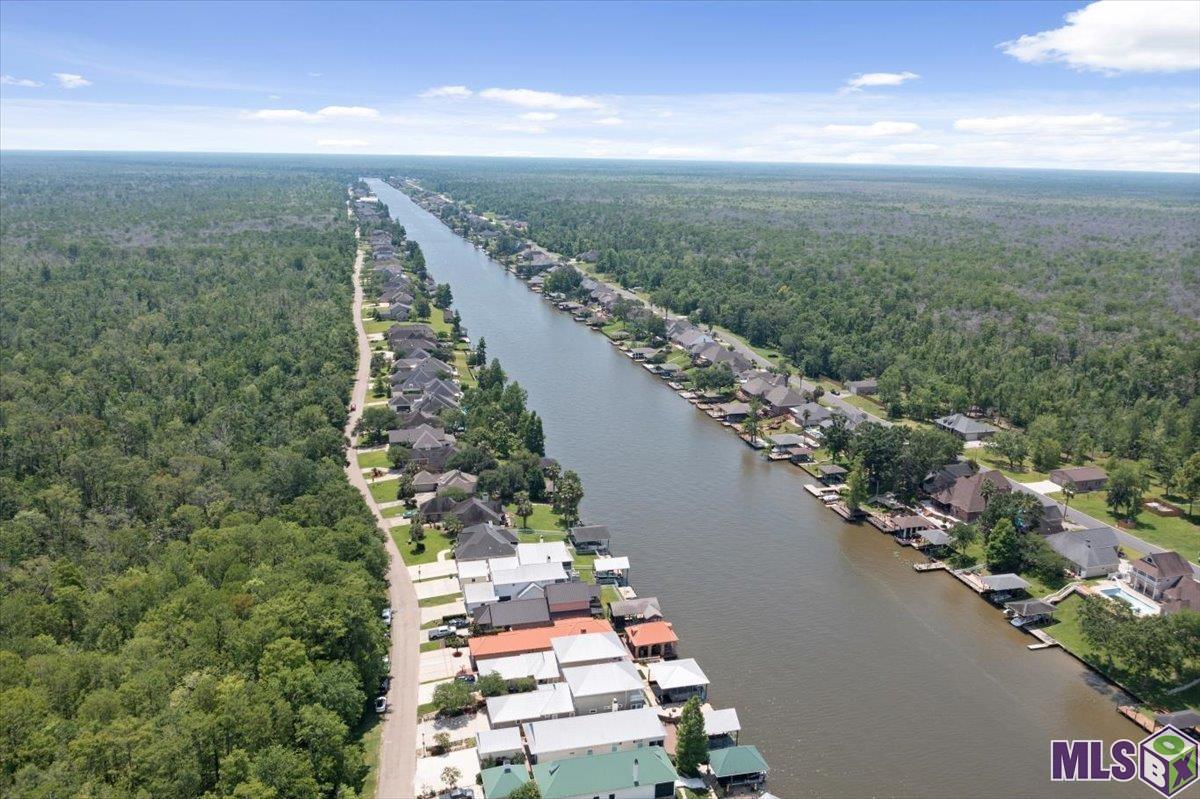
x: 500, y: 781
x: 736, y: 761
x: 607, y: 773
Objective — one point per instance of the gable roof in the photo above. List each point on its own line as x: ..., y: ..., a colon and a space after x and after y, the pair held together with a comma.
x: 685, y: 673
x: 651, y: 633
x: 608, y: 773
x: 964, y: 425
x: 560, y: 593
x: 589, y: 532
x: 737, y: 761
x: 500, y: 781
x: 548, y: 700
x: 602, y: 678
x: 597, y: 730
x: 1164, y: 565
x: 538, y: 665
x: 513, y: 613
x: 1087, y: 549
x: 645, y: 607
x: 587, y: 647
x: 534, y: 639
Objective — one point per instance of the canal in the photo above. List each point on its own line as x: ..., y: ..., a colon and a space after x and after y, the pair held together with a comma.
x: 855, y: 675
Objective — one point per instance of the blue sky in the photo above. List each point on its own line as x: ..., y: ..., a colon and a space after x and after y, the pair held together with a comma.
x: 1109, y: 84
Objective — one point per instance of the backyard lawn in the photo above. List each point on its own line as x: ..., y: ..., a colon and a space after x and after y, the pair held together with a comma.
x: 543, y: 517
x: 465, y: 377
x: 435, y: 541
x: 1171, y: 532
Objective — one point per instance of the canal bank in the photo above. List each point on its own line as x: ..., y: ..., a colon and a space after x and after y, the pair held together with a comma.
x: 855, y: 675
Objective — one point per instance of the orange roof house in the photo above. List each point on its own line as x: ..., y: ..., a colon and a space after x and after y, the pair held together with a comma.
x: 652, y: 639
x: 536, y: 639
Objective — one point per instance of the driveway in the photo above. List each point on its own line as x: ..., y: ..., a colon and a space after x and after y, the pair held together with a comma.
x: 438, y: 587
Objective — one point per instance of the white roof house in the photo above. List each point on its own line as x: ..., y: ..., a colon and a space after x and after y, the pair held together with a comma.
x: 503, y: 564
x: 533, y: 573
x: 473, y: 571
x: 577, y: 736
x: 498, y: 743
x: 603, y: 678
x: 721, y: 722
x: 547, y: 702
x: 541, y: 666
x: 672, y: 674
x: 611, y: 564
x: 476, y: 594
x: 543, y: 552
x: 579, y: 650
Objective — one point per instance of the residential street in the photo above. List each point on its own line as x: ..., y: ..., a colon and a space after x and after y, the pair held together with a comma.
x: 397, y: 747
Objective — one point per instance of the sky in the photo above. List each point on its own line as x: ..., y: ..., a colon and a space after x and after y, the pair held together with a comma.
x: 1109, y: 85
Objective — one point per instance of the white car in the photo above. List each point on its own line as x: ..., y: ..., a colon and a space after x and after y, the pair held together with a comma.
x: 381, y: 704
x: 386, y: 613
x: 445, y: 631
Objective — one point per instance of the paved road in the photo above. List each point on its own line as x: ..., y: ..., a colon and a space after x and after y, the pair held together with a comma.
x: 398, y: 743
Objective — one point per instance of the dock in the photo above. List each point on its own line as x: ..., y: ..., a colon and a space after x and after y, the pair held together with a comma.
x: 1043, y: 637
x: 933, y: 565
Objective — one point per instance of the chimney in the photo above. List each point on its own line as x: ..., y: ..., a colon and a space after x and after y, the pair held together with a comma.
x: 635, y: 772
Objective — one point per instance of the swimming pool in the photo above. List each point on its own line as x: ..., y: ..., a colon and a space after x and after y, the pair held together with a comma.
x: 1141, y: 606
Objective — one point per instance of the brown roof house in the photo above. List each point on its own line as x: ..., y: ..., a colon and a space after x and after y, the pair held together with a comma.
x: 964, y: 499
x: 1156, y: 573
x: 1080, y: 478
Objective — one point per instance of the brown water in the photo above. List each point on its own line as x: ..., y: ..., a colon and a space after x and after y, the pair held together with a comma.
x: 855, y: 675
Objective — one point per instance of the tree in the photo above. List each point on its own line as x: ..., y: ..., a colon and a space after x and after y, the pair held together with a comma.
x: 1047, y: 454
x: 1004, y: 547
x: 527, y: 791
x: 452, y: 526
x: 524, y: 508
x: 452, y: 698
x: 1187, y: 480
x: 691, y: 744
x: 450, y: 776
x: 837, y: 437
x: 441, y: 742
x: 443, y: 296
x: 491, y: 684
x: 372, y: 427
x: 416, y: 530
x: 404, y: 488
x: 962, y: 537
x: 535, y: 439
x: 479, y: 357
x: 750, y: 425
x: 568, y: 493
x: 1127, y: 485
x: 1010, y: 445
x: 856, y: 486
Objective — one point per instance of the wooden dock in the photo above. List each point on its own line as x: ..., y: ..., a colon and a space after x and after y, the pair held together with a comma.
x: 933, y: 565
x: 1043, y: 637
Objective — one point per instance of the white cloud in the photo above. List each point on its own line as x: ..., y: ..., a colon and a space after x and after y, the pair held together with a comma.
x: 874, y: 129
x: 531, y: 98
x: 610, y: 121
x: 452, y: 92
x: 348, y: 143
x: 9, y: 80
x: 913, y: 147
x: 517, y: 127
x: 864, y: 80
x: 355, y: 111
x: 1045, y: 124
x: 1119, y: 36
x: 283, y: 115
x: 69, y: 80
x: 540, y: 116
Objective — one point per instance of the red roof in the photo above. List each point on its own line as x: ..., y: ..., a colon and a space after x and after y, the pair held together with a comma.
x: 535, y: 639
x: 651, y: 633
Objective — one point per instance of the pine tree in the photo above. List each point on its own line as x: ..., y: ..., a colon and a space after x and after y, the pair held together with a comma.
x: 691, y: 744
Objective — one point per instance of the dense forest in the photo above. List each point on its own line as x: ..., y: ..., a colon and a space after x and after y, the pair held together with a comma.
x: 189, y: 588
x: 1072, y: 299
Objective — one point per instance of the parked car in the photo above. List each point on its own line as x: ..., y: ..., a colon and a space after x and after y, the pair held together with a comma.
x: 456, y: 621
x: 385, y: 684
x: 467, y: 678
x: 458, y: 793
x: 381, y: 704
x: 438, y: 633
x: 386, y: 613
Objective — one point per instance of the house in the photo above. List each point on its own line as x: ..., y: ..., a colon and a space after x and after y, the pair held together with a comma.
x: 1154, y: 574
x: 538, y: 666
x: 811, y: 414
x: 573, y: 599
x: 544, y: 552
x: 578, y: 736
x: 863, y: 388
x: 782, y: 399
x: 910, y: 526
x: 526, y: 581
x: 1184, y: 595
x: 721, y: 726
x: 676, y: 681
x: 733, y: 411
x: 738, y: 767
x: 611, y: 571
x: 944, y: 477
x: 643, y: 353
x: 473, y: 571
x: 637, y: 774
x: 1091, y: 553
x: 713, y: 353
x: 652, y: 639
x: 831, y: 474
x: 483, y: 541
x: 589, y: 538
x: 644, y: 608
x: 550, y: 701
x: 470, y: 512
x: 965, y: 500
x: 588, y: 648
x: 397, y: 311
x: 605, y: 687
x: 1003, y: 583
x: 412, y: 435
x: 965, y: 427
x: 456, y: 480
x: 476, y: 595
x: 502, y: 746
x: 792, y: 445
x: 514, y: 615
x: 534, y: 639
x: 498, y: 782
x: 1080, y: 479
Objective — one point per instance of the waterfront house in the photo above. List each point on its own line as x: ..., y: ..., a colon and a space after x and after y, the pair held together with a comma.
x: 791, y: 445
x: 944, y: 477
x: 738, y: 767
x: 588, y: 648
x: 589, y: 538
x: 456, y: 480
x: 514, y: 615
x: 605, y: 687
x: 611, y: 571
x: 910, y: 526
x: 473, y: 571
x: 644, y: 608
x: 411, y: 436
x: 538, y: 666
x: 578, y: 736
x: 811, y: 414
x: 550, y: 701
x: 544, y: 552
x: 722, y: 726
x: 780, y: 400
x: 831, y: 474
x: 965, y: 500
x: 1184, y: 595
x: 397, y: 311
x: 534, y: 639
x: 573, y: 599
x: 1157, y: 572
x: 478, y: 594
x: 503, y: 747
x: 1091, y: 553
x: 965, y: 427
x: 483, y: 541
x: 500, y: 782
x: 526, y: 581
x: 635, y: 774
x: 1080, y: 479
x: 733, y: 411
x: 652, y: 640
x: 474, y: 511
x: 676, y: 681
x: 863, y: 388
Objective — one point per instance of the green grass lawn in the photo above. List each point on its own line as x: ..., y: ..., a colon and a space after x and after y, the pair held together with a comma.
x: 385, y: 490
x: 374, y: 460
x: 543, y: 517
x: 429, y: 646
x: 370, y: 746
x: 609, y: 595
x: 465, y: 377
x: 393, y: 511
x: 1172, y: 532
x: 381, y: 326
x: 444, y: 599
x: 435, y: 541
x: 584, y: 564
x: 989, y: 460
